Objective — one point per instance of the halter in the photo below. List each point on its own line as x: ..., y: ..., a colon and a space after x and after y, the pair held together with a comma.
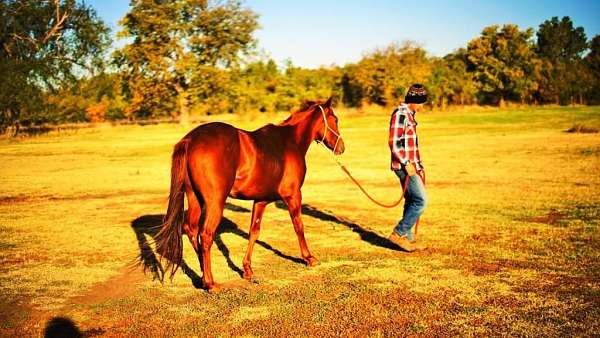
x: 327, y: 128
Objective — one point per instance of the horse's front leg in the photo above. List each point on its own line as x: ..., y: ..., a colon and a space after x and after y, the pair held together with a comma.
x: 294, y: 204
x: 257, y: 212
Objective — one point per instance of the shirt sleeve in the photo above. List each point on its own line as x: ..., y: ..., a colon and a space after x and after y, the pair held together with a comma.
x: 397, y: 142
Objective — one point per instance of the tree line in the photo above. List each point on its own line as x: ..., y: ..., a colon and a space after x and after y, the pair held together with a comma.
x: 194, y: 57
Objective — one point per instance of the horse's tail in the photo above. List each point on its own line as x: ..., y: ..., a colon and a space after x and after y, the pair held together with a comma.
x: 169, y: 242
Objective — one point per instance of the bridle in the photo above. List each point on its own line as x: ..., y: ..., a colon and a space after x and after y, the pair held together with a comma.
x: 327, y: 128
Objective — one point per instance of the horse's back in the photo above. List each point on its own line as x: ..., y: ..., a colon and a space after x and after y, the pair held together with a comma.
x: 245, y: 164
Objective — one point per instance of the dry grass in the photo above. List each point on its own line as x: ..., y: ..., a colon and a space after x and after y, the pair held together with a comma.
x: 512, y: 225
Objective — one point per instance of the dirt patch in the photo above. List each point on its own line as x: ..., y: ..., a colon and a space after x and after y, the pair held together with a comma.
x: 553, y: 217
x: 13, y: 199
x: 447, y: 251
x: 42, y: 198
x: 517, y: 264
x: 482, y: 268
x: 588, y: 213
x: 13, y: 314
x: 117, y: 287
x: 485, y: 238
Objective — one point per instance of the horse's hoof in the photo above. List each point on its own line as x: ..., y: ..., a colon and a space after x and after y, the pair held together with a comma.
x: 252, y: 280
x: 248, y: 274
x: 312, y: 261
x: 214, y: 288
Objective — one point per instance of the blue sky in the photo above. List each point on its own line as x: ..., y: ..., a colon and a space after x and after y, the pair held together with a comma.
x: 312, y: 33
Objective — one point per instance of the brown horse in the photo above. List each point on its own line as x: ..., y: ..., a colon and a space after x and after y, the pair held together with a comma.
x: 217, y: 160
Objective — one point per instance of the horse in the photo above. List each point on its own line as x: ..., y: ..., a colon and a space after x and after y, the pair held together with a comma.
x: 216, y: 160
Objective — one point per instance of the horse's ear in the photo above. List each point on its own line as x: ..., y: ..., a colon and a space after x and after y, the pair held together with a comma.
x: 329, y: 101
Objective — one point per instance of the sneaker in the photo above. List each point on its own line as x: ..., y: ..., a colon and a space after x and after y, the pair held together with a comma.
x: 402, y: 242
x: 418, y: 246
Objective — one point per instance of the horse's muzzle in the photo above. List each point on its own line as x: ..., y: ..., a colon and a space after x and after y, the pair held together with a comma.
x: 340, y: 148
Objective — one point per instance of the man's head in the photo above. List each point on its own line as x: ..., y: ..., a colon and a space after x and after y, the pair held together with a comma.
x: 416, y: 96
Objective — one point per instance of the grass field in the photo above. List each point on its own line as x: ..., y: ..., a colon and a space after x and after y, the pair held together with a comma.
x: 512, y: 226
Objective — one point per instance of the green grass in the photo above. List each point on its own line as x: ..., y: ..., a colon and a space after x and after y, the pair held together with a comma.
x: 512, y: 227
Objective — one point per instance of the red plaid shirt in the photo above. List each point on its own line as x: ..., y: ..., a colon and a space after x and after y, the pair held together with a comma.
x: 403, y: 141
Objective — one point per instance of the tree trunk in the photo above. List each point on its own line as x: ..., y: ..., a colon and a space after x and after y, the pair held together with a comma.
x: 183, y: 102
x: 501, y: 102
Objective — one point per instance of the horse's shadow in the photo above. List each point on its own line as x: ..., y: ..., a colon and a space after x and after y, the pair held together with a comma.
x: 365, y: 234
x: 149, y: 225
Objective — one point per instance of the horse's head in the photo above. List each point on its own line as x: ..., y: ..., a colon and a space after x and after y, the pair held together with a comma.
x: 327, y: 128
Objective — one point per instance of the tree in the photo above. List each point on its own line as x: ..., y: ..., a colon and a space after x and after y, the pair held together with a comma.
x: 383, y: 76
x: 179, y: 51
x: 561, y: 46
x: 44, y: 44
x: 96, y: 98
x: 253, y: 86
x: 450, y: 82
x: 299, y: 84
x: 503, y: 61
x: 592, y: 62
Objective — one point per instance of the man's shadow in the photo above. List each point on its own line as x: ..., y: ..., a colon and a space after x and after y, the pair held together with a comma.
x: 365, y: 234
x: 149, y: 225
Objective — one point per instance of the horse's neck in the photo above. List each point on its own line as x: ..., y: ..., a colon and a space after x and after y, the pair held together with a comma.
x: 303, y: 132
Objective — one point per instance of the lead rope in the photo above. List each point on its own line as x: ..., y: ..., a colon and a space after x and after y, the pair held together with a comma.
x: 359, y: 185
x: 345, y: 170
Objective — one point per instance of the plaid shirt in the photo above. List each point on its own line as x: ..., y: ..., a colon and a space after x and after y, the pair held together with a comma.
x: 403, y: 141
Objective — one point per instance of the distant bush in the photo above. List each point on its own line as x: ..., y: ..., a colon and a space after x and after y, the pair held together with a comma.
x: 582, y: 128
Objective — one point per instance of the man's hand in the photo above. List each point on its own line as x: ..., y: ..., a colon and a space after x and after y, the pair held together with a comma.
x: 410, y: 169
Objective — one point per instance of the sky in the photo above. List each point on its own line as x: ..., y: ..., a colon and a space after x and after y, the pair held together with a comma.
x: 312, y: 33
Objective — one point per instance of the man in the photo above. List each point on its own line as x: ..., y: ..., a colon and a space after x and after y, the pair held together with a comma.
x: 406, y: 161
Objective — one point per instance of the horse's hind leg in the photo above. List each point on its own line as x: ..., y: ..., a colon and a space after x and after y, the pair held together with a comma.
x: 257, y: 212
x: 190, y: 226
x: 214, y: 213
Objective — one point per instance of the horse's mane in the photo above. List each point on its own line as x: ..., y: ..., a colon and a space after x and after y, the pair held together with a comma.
x: 305, y: 108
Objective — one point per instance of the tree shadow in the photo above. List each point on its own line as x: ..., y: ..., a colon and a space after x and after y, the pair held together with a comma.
x: 365, y: 234
x: 149, y: 225
x: 60, y: 327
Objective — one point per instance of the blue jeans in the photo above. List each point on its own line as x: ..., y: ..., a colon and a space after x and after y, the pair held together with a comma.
x: 415, y: 201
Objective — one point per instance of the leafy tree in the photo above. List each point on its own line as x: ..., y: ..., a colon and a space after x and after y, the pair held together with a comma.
x: 559, y: 40
x: 592, y: 62
x: 44, y: 44
x: 300, y: 84
x: 255, y: 86
x: 180, y: 48
x: 94, y: 99
x: 450, y: 82
x: 383, y: 76
x: 561, y: 46
x: 503, y: 61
